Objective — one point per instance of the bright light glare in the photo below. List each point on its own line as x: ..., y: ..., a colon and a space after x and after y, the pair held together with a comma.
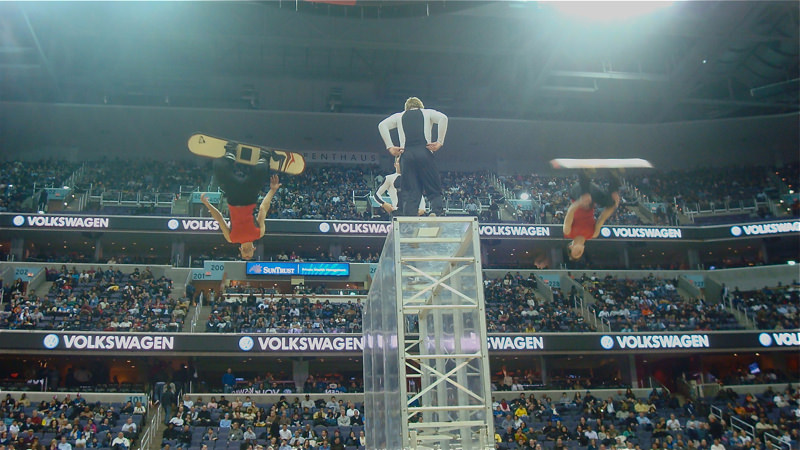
x: 608, y: 11
x: 791, y: 263
x: 524, y: 196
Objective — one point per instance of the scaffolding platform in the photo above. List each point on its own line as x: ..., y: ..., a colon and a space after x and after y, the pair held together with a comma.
x: 426, y: 366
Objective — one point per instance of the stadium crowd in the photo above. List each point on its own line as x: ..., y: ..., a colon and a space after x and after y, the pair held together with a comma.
x: 99, y: 300
x: 770, y: 307
x: 19, y: 179
x: 328, y: 192
x: 145, y: 176
x: 296, y: 314
x: 242, y: 423
x: 577, y: 419
x: 699, y: 188
x: 653, y: 304
x: 512, y: 306
x: 550, y: 200
x: 108, y: 300
x: 67, y: 423
x: 660, y: 421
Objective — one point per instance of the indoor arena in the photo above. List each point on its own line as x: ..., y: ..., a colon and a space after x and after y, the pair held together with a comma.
x: 400, y: 225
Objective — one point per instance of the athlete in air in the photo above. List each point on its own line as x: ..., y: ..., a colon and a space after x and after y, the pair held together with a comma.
x: 580, y: 224
x: 242, y: 195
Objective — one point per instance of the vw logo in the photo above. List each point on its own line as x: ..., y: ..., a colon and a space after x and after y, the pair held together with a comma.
x: 607, y: 342
x: 736, y: 230
x: 173, y: 224
x: 605, y: 231
x: 324, y: 227
x: 246, y: 343
x: 765, y: 339
x: 18, y: 221
x: 51, y: 341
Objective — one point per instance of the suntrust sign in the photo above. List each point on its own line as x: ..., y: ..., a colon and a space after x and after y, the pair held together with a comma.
x: 303, y: 268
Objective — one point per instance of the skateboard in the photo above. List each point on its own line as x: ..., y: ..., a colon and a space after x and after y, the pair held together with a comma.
x: 598, y: 163
x: 279, y: 160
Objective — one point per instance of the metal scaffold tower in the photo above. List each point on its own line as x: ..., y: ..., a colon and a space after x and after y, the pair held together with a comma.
x: 426, y: 366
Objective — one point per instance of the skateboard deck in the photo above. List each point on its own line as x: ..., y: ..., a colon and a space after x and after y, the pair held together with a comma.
x: 599, y: 163
x: 279, y: 160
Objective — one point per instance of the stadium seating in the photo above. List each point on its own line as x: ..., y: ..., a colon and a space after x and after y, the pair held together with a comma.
x: 512, y: 306
x: 282, y: 315
x: 99, y: 300
x: 770, y: 307
x: 222, y: 421
x: 653, y: 304
x: 327, y: 192
x: 74, y: 419
x: 18, y: 180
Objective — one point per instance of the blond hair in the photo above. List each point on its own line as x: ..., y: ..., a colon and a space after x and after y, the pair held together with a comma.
x: 413, y: 102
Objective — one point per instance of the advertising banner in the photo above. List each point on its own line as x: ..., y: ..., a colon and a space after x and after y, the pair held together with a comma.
x: 374, y: 228
x: 590, y: 343
x: 303, y: 269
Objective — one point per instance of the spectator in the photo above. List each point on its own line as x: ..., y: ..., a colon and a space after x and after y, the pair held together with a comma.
x: 139, y: 409
x: 120, y: 442
x: 129, y: 428
x: 185, y: 437
x: 63, y: 444
x: 228, y: 381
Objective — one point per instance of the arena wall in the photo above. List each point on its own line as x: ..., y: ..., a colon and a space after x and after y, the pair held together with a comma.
x: 84, y: 132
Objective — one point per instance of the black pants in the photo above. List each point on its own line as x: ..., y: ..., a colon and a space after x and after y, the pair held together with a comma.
x: 600, y: 197
x: 420, y: 175
x: 240, y: 191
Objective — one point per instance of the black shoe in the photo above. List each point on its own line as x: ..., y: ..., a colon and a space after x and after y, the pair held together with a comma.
x: 230, y: 151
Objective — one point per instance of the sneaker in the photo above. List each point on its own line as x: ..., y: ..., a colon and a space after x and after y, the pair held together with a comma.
x: 230, y: 156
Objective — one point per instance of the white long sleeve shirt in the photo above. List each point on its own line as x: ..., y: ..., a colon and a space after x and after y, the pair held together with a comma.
x: 431, y: 117
x: 389, y: 187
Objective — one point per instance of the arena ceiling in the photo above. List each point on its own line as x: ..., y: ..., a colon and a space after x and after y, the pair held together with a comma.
x: 516, y: 60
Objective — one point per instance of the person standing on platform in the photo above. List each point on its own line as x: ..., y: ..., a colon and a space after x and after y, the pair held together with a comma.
x: 416, y: 149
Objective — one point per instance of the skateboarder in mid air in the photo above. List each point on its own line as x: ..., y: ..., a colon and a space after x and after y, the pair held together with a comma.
x: 242, y: 195
x: 579, y: 222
